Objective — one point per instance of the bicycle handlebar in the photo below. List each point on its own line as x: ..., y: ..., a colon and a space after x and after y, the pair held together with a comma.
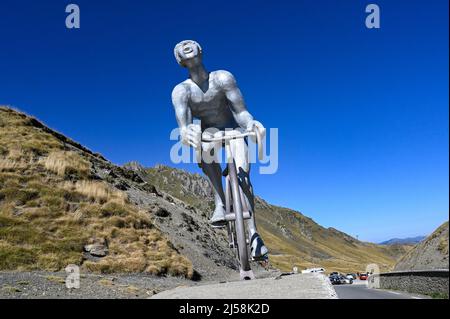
x: 255, y: 133
x: 228, y: 137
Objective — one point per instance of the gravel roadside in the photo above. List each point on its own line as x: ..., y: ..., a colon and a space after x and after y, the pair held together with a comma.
x: 42, y: 285
x: 51, y: 285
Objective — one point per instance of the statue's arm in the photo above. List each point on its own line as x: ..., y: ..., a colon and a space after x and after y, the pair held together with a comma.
x: 190, y: 133
x: 183, y: 114
x: 234, y: 96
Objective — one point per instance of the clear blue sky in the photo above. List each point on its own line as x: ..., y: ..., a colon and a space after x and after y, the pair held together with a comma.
x: 362, y: 114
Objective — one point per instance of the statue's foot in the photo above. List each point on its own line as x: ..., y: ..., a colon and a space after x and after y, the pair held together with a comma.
x: 258, y: 250
x: 218, y: 218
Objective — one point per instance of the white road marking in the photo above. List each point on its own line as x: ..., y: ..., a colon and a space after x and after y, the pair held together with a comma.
x: 398, y: 293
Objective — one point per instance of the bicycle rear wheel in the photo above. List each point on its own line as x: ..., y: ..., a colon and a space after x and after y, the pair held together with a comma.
x: 241, y: 238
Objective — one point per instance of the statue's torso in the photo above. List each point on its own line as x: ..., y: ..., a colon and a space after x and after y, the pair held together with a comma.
x: 211, y: 106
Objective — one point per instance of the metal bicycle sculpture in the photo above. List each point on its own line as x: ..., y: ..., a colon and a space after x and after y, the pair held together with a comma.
x: 237, y: 206
x: 215, y: 99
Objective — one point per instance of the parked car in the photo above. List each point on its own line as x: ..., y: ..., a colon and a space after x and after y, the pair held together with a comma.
x: 313, y: 270
x: 334, y: 273
x: 354, y: 276
x: 347, y: 279
x: 335, y: 280
x: 363, y: 276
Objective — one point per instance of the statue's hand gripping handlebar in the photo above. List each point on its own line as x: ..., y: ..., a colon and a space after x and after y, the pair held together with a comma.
x: 255, y: 133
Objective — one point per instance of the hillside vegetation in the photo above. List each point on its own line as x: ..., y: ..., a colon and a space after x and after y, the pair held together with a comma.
x: 54, y: 211
x: 293, y: 239
x: 431, y: 253
x: 60, y: 203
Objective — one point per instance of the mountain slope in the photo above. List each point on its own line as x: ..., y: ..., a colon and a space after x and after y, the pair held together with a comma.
x: 56, y: 210
x: 404, y: 241
x: 431, y: 253
x: 61, y: 203
x: 293, y: 239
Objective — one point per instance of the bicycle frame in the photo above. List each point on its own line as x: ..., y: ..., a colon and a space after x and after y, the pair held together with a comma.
x: 236, y: 205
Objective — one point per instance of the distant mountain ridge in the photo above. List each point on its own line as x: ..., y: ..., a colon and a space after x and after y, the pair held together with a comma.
x: 404, y: 241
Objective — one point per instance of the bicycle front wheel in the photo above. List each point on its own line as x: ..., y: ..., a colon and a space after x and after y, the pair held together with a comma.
x: 241, y: 238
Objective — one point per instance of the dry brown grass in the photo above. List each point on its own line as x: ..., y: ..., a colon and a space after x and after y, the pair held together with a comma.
x: 132, y: 289
x: 15, y: 154
x: 56, y: 279
x: 19, y: 138
x: 7, y: 164
x: 65, y: 163
x: 342, y: 257
x: 97, y: 191
x: 14, y: 159
x: 45, y: 220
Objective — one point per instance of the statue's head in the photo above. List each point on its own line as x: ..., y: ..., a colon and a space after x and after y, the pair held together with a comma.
x: 188, y: 53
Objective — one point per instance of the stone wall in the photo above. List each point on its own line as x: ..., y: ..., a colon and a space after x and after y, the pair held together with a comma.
x: 424, y: 282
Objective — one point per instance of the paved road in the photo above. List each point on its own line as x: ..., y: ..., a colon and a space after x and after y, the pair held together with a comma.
x: 359, y: 290
x: 298, y: 286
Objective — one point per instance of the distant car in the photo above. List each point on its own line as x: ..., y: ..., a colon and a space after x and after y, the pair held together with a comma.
x: 335, y: 280
x: 334, y: 273
x: 352, y: 275
x: 363, y: 276
x: 313, y: 270
x: 347, y: 279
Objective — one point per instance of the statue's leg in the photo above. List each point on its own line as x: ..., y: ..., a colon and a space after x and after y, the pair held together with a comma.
x: 240, y: 151
x: 213, y: 171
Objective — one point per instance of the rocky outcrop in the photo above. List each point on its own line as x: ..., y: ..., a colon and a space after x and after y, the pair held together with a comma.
x: 98, y: 248
x: 431, y: 253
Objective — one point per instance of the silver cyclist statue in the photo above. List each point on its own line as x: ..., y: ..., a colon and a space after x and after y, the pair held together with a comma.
x: 215, y: 99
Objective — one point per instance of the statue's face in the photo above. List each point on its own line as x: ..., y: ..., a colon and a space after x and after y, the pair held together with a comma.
x: 188, y: 53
